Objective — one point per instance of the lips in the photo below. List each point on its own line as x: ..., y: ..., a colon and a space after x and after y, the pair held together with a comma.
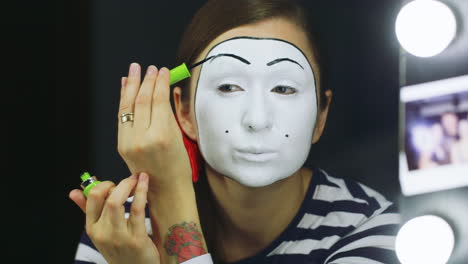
x: 255, y: 154
x: 255, y: 150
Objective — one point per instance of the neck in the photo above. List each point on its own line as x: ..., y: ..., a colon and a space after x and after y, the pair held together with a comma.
x: 249, y: 219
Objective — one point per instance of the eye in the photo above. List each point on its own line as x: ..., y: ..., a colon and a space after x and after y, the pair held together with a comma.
x: 228, y: 88
x: 282, y: 89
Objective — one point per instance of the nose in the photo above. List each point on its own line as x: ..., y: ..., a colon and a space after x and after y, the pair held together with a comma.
x: 257, y: 115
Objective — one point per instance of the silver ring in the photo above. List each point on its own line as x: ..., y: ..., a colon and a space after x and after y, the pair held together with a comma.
x: 126, y: 117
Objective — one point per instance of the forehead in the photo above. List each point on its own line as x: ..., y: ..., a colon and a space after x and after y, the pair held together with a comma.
x: 259, y: 50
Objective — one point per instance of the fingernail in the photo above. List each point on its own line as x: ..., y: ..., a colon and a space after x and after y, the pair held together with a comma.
x: 163, y: 71
x: 151, y: 70
x: 123, y: 81
x: 143, y: 177
x: 133, y: 68
x: 134, y: 176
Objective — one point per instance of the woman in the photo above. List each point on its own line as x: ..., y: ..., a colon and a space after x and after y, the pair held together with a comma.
x: 254, y: 108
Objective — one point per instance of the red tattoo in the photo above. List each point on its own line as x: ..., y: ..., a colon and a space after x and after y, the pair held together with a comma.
x: 184, y: 241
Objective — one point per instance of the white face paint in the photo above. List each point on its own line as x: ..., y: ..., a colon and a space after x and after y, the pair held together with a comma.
x: 268, y: 106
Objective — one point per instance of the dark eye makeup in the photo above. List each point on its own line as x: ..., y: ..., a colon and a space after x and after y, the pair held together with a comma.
x: 281, y: 89
x: 226, y: 88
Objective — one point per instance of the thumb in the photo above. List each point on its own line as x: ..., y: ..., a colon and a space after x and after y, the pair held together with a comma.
x: 78, y: 197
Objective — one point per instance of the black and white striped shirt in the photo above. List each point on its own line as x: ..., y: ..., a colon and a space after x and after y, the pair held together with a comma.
x: 340, y: 221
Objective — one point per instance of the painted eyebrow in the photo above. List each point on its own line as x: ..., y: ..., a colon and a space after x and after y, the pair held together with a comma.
x: 220, y: 55
x: 283, y: 59
x: 230, y: 55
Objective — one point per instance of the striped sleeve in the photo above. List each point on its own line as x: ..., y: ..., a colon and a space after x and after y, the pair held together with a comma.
x: 373, y: 240
x: 87, y: 253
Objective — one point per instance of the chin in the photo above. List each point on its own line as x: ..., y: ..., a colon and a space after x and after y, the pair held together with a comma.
x: 255, y: 181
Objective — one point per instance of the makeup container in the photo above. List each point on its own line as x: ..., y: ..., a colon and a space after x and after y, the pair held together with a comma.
x: 87, y: 183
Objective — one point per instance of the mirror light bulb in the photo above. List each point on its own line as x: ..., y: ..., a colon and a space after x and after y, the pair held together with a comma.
x: 425, y: 28
x: 426, y: 239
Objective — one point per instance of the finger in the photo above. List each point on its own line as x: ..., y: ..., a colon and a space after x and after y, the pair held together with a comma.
x: 123, y: 83
x: 95, y: 202
x: 129, y: 91
x: 78, y: 197
x: 161, y: 105
x: 111, y: 189
x: 137, y: 211
x: 161, y: 93
x: 131, y: 87
x: 144, y: 98
x: 114, y: 210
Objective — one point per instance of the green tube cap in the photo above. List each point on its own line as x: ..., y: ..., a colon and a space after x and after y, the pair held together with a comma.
x: 85, y: 176
x: 89, y: 187
x: 179, y: 73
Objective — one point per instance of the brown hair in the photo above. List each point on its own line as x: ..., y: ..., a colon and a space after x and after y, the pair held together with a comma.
x: 218, y: 16
x: 211, y: 20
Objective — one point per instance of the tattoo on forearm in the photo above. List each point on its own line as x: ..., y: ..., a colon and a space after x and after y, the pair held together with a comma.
x: 184, y: 241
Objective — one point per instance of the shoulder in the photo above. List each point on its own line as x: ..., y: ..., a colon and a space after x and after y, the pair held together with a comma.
x: 347, y: 195
x: 372, y: 221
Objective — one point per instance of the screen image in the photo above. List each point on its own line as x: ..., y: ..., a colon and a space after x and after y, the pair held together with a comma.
x: 434, y: 136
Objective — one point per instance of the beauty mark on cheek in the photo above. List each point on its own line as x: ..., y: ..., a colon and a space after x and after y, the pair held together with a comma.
x: 227, y: 131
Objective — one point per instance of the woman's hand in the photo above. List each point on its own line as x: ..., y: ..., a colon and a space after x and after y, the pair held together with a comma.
x: 153, y: 141
x: 119, y: 240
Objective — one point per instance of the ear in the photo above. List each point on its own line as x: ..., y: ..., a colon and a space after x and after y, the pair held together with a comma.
x: 183, y: 114
x: 322, y: 118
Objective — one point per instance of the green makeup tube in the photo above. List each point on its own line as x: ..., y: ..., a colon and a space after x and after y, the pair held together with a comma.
x: 179, y: 73
x: 87, y: 183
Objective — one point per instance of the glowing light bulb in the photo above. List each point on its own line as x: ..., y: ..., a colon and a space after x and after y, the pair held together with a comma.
x: 425, y: 28
x: 425, y: 239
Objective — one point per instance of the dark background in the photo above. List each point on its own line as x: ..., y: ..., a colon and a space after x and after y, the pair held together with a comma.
x: 64, y: 61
